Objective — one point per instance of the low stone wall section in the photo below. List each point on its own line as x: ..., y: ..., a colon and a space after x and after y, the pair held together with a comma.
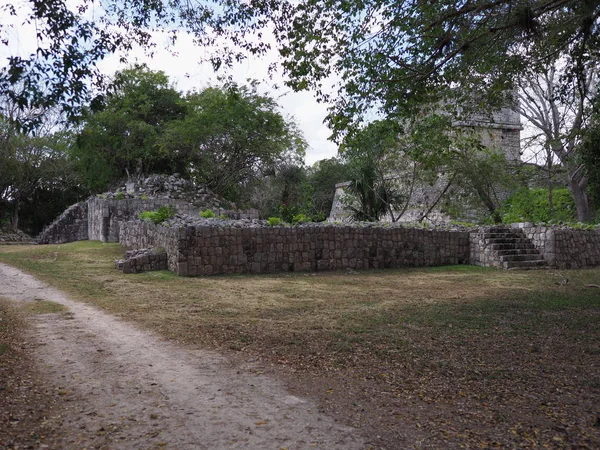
x: 106, y: 215
x: 144, y: 260
x: 226, y: 250
x: 565, y: 248
x: 137, y: 234
x: 70, y: 226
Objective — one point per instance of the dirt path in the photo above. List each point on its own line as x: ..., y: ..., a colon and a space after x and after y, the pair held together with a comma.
x: 129, y: 389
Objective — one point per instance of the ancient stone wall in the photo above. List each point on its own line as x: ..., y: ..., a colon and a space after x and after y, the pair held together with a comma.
x: 105, y: 215
x: 197, y: 251
x: 565, y: 248
x: 143, y: 260
x: 137, y: 234
x: 71, y: 225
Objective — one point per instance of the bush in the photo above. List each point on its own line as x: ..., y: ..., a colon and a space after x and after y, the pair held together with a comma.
x: 274, y: 221
x: 224, y: 217
x: 161, y: 215
x: 119, y: 195
x: 531, y: 205
x: 301, y: 218
x: 207, y: 214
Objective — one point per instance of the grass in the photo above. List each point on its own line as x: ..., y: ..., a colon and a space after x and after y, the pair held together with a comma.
x: 499, y: 343
x: 43, y: 307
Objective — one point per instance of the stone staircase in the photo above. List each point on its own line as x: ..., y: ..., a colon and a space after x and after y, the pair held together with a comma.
x: 511, y: 249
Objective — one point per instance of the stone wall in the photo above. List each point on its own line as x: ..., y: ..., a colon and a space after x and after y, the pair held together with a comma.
x: 197, y: 251
x: 106, y: 215
x: 137, y: 234
x: 144, y: 260
x: 565, y: 248
x: 71, y: 225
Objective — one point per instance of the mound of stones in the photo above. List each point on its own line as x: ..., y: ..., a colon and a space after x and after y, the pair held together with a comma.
x: 12, y: 235
x: 169, y: 187
x: 143, y: 260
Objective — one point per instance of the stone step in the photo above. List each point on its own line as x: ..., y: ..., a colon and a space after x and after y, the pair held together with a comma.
x: 517, y: 240
x: 518, y: 251
x: 527, y: 257
x: 534, y: 264
x: 500, y: 247
x: 508, y: 233
x: 509, y: 245
x: 502, y: 230
x: 488, y: 236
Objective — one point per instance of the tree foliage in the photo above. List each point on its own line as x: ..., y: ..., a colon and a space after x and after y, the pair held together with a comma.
x: 560, y: 114
x: 37, y: 180
x: 531, y: 205
x: 221, y: 136
x: 230, y: 134
x: 391, y: 55
x: 121, y: 133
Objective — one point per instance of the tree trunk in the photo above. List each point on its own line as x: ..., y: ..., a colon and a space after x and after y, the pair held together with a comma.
x: 15, y: 215
x: 577, y: 184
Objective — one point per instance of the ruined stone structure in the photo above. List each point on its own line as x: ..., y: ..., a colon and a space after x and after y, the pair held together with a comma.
x: 500, y: 131
x: 213, y: 250
x: 199, y: 247
x: 99, y: 217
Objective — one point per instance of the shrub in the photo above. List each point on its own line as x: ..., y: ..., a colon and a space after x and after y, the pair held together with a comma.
x: 224, y: 217
x: 207, y: 214
x: 531, y: 205
x: 161, y: 215
x: 144, y: 197
x: 319, y: 217
x: 119, y: 195
x: 301, y: 218
x: 274, y: 221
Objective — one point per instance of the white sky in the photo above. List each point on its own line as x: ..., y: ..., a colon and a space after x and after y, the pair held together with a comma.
x: 186, y: 72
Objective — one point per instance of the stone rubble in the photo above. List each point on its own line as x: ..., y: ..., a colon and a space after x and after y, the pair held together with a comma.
x: 143, y: 260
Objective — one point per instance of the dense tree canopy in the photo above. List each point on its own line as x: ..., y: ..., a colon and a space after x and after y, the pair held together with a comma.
x: 37, y: 179
x: 230, y: 134
x: 221, y: 136
x: 387, y: 53
x: 120, y: 137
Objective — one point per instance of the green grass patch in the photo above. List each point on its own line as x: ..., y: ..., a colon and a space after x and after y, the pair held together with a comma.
x: 43, y: 307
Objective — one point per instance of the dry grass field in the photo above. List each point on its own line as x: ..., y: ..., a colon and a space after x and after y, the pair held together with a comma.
x: 450, y: 357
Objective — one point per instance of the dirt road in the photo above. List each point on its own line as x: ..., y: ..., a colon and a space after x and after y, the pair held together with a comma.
x: 129, y: 389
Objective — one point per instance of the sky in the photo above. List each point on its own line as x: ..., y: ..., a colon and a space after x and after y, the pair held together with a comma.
x: 182, y: 63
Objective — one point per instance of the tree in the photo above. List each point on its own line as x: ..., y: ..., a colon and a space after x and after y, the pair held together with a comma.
x: 388, y: 53
x: 322, y: 178
x: 589, y: 152
x: 559, y: 112
x: 37, y: 180
x: 392, y: 56
x: 121, y: 132
x: 371, y: 157
x: 230, y: 135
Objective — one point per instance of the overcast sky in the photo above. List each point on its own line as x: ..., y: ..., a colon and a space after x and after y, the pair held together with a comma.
x: 186, y: 71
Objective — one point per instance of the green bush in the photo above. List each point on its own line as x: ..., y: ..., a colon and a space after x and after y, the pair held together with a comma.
x: 207, y: 214
x: 531, y: 205
x: 301, y: 218
x: 224, y: 217
x: 161, y: 215
x: 319, y: 217
x: 119, y: 195
x: 274, y: 221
